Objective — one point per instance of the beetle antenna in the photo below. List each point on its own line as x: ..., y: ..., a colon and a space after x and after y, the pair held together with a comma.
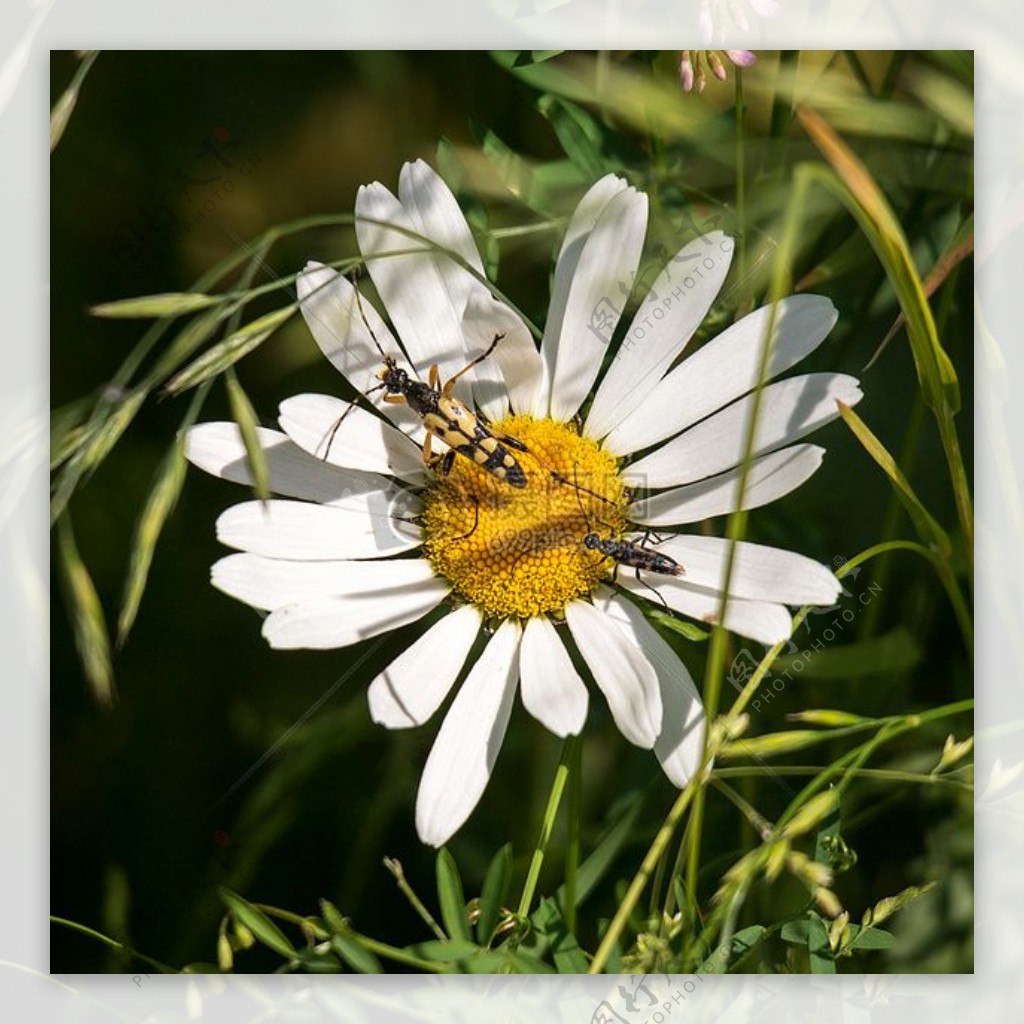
x: 362, y: 314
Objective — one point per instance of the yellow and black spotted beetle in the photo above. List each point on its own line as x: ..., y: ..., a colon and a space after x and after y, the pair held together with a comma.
x: 445, y: 417
x: 633, y: 554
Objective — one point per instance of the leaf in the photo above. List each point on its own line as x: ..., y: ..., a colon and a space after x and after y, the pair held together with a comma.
x: 893, y: 652
x: 444, y: 952
x: 951, y: 100
x: 741, y: 945
x: 155, y: 306
x: 163, y: 497
x: 870, y: 938
x: 565, y: 948
x: 493, y: 893
x: 227, y: 352
x: 86, y: 614
x: 258, y: 923
x: 360, y: 959
x: 650, y: 104
x: 578, y: 133
x: 796, y: 932
x: 451, y: 897
x: 959, y: 248
x: 818, y: 947
x: 927, y: 528
x: 681, y: 626
x: 527, y: 57
x: 245, y: 416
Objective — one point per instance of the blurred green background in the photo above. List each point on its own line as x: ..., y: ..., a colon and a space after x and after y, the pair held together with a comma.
x: 218, y: 765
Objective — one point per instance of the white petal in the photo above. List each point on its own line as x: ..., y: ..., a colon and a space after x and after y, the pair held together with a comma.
x: 413, y: 686
x: 304, y: 532
x: 409, y: 285
x: 789, y: 409
x: 332, y: 312
x: 360, y: 441
x: 762, y: 621
x: 460, y: 762
x: 271, y: 583
x: 429, y: 201
x: 680, y: 744
x: 218, y: 448
x: 725, y: 368
x: 759, y: 573
x: 424, y: 292
x: 520, y: 376
x: 552, y: 690
x: 327, y: 622
x: 600, y: 286
x: 661, y: 329
x: 621, y: 672
x: 769, y: 477
x: 585, y: 216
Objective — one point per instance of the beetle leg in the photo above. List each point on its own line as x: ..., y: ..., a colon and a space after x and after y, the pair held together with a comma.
x: 447, y: 389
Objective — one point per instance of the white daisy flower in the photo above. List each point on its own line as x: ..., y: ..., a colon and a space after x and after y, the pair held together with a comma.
x: 330, y: 560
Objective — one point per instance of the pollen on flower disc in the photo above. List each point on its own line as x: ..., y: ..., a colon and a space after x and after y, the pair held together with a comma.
x: 518, y: 551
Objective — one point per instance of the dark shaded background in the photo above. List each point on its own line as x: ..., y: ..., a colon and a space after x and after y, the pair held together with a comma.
x: 157, y: 802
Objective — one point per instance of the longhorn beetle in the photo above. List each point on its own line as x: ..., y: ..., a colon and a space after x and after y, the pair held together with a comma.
x: 629, y: 553
x: 444, y: 416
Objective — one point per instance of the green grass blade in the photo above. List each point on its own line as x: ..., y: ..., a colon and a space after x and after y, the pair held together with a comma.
x: 245, y: 416
x: 494, y: 893
x: 101, y: 439
x: 62, y: 110
x: 451, y: 897
x: 853, y: 184
x: 258, y: 923
x: 86, y: 614
x: 163, y: 497
x: 227, y: 352
x: 927, y: 527
x: 155, y: 306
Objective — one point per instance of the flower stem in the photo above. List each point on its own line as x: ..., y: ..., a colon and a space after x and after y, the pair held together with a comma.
x: 554, y: 799
x: 572, y: 850
x: 113, y: 944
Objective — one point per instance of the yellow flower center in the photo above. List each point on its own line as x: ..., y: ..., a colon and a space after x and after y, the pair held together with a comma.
x: 519, y: 551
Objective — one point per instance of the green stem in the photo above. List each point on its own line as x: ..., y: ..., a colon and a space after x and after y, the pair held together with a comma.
x: 550, y: 813
x: 741, y: 206
x: 417, y: 904
x: 113, y: 944
x: 400, y: 956
x: 881, y: 774
x: 636, y: 887
x: 572, y: 851
x: 961, y: 489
